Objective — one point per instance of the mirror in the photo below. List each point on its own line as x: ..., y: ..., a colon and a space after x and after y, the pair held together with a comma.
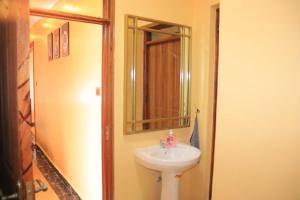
x: 157, y: 75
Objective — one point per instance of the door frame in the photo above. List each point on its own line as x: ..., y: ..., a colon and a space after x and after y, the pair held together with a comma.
x: 107, y: 127
x: 31, y: 50
x: 215, y: 66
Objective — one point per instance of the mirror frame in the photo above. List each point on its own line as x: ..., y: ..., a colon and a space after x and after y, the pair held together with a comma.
x: 187, y: 33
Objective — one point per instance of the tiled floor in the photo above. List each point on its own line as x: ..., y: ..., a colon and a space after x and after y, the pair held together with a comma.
x: 49, y: 194
x: 58, y: 184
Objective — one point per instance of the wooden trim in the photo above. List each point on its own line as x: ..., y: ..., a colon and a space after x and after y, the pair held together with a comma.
x: 34, y: 86
x: 67, y: 16
x: 107, y: 100
x: 216, y: 63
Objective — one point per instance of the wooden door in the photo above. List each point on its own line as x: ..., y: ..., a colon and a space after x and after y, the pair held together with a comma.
x: 161, y: 90
x: 15, y: 115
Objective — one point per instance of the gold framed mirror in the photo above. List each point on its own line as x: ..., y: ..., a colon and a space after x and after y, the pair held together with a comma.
x: 157, y: 75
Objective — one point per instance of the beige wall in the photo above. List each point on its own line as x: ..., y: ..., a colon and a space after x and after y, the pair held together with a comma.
x: 131, y: 180
x: 256, y: 149
x: 203, y: 84
x: 68, y: 121
x: 257, y: 146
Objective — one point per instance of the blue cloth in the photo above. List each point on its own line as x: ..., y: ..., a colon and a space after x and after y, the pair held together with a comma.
x: 195, y: 135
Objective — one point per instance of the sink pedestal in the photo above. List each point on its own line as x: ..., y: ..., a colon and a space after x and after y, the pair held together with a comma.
x: 170, y: 162
x: 170, y: 186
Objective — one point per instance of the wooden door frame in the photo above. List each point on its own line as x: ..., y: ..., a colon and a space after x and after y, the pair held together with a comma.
x: 216, y: 24
x: 107, y: 100
x: 107, y: 127
x: 31, y: 49
x: 33, y: 116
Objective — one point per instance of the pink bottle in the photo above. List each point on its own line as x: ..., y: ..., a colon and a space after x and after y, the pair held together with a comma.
x: 171, y: 139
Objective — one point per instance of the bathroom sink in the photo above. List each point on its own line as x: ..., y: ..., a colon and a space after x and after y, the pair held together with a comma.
x: 171, y: 162
x: 173, y: 159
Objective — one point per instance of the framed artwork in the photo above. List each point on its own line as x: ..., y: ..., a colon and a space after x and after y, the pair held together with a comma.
x: 65, y: 42
x: 56, y: 44
x: 50, y: 46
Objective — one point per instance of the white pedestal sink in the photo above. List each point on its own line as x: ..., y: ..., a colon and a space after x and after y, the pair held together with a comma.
x: 171, y: 162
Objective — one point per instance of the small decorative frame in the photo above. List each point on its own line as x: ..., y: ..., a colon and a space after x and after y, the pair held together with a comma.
x: 65, y: 42
x: 56, y: 44
x: 50, y: 46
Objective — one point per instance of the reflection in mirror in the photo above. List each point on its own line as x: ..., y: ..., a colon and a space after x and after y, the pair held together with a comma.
x: 157, y: 82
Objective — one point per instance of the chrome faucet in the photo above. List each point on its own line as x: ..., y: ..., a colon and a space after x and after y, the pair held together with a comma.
x: 163, y: 143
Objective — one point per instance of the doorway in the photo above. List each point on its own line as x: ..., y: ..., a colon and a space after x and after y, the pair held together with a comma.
x: 67, y: 108
x: 67, y: 81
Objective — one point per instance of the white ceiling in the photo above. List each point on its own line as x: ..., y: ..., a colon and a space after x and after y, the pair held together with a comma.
x: 45, y: 4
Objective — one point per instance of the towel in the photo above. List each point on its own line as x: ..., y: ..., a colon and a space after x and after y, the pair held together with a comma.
x: 195, y: 135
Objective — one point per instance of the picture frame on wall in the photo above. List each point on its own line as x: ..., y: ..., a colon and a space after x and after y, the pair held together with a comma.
x: 56, y: 44
x: 50, y: 46
x: 65, y: 41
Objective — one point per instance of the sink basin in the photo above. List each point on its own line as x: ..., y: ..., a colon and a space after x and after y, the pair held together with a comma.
x: 171, y: 162
x: 174, y: 159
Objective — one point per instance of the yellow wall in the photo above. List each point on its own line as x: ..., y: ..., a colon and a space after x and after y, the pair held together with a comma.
x: 131, y: 180
x: 257, y: 146
x: 257, y: 126
x: 68, y: 120
x: 203, y: 83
